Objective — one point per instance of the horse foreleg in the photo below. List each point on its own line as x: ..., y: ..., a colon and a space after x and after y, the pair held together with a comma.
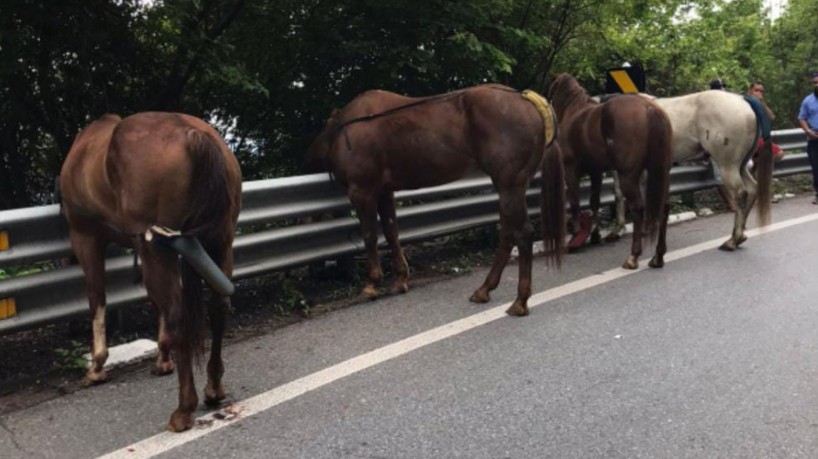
x: 658, y: 259
x: 90, y: 253
x: 366, y: 206
x: 619, y: 223
x: 389, y: 223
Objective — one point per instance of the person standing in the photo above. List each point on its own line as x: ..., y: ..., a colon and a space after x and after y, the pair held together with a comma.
x: 808, y: 119
x: 756, y: 90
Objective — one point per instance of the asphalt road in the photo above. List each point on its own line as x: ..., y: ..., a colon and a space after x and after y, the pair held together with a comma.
x: 716, y: 355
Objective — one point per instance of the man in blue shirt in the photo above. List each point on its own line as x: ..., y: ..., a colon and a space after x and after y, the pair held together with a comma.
x: 808, y: 119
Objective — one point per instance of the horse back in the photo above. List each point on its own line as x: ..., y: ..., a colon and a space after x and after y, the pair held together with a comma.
x: 141, y: 171
x: 436, y: 140
x: 718, y: 122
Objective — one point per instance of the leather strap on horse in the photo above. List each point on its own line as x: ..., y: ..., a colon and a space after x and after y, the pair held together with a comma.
x: 547, y: 113
x: 426, y: 100
x: 341, y: 125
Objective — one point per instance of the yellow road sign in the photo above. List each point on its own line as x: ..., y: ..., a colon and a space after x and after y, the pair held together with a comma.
x: 624, y: 81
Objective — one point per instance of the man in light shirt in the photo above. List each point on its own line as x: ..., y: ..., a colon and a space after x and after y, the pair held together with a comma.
x: 808, y: 119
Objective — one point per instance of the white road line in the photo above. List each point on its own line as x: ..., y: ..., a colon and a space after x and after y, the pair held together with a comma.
x: 212, y: 422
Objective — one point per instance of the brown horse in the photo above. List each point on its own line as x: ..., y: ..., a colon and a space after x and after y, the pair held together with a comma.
x: 382, y: 142
x: 161, y: 183
x: 628, y: 134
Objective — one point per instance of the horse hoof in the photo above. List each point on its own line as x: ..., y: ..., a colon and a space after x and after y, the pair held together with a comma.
x: 93, y: 378
x: 179, y: 422
x: 399, y: 287
x: 577, y: 241
x: 630, y: 263
x: 613, y: 237
x: 656, y: 263
x: 214, y: 396
x: 741, y: 240
x: 369, y: 292
x: 596, y: 238
x: 163, y: 369
x: 480, y: 296
x: 728, y: 246
x: 517, y: 310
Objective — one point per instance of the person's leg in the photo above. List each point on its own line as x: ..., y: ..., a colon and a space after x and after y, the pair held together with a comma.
x: 812, y: 152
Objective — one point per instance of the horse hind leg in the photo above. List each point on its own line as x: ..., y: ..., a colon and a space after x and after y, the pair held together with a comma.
x: 389, y: 223
x: 160, y: 270
x: 736, y: 188
x: 658, y: 259
x: 751, y: 195
x: 366, y: 206
x: 164, y: 363
x: 636, y: 206
x: 90, y: 252
x: 514, y: 227
x: 596, y: 189
x: 215, y: 391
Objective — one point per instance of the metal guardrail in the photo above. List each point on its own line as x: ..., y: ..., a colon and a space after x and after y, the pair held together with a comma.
x: 270, y: 237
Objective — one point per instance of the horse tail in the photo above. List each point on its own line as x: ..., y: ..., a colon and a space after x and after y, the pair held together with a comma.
x: 659, y: 153
x: 763, y: 161
x: 210, y: 206
x: 552, y: 186
x: 211, y: 200
x: 764, y: 177
x: 552, y: 204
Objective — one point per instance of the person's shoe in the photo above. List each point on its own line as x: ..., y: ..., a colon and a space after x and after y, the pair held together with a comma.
x: 815, y: 200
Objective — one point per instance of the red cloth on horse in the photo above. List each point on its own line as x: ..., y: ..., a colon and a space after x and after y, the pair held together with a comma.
x: 778, y: 153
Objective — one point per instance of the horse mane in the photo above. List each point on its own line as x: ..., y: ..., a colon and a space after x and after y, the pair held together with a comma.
x: 566, y: 91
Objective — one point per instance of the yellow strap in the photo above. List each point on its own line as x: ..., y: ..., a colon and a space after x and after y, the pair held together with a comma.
x: 8, y: 308
x: 4, y: 240
x: 546, y: 112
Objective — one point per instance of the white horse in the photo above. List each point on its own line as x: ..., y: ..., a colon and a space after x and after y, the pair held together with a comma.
x: 724, y: 125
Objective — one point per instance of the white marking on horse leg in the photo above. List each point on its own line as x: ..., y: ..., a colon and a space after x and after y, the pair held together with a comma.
x: 99, y: 350
x: 100, y: 343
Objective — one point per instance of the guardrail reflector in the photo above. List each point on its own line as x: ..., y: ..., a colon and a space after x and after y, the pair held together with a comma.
x: 4, y: 240
x: 8, y: 308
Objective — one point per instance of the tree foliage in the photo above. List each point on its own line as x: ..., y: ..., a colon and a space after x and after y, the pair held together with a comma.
x: 268, y: 72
